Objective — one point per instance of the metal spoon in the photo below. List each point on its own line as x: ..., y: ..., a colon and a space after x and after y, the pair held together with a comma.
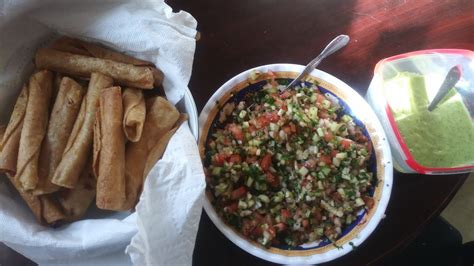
x: 336, y: 44
x: 451, y: 79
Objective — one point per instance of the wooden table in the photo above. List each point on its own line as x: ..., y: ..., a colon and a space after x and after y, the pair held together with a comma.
x: 238, y: 35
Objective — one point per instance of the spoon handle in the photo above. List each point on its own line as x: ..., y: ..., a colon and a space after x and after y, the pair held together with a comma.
x: 336, y: 44
x: 451, y: 79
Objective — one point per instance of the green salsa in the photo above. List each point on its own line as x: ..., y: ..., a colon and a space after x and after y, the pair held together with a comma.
x: 441, y: 138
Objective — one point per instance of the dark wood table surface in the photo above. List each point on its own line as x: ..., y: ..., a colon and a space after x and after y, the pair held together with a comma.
x: 237, y: 35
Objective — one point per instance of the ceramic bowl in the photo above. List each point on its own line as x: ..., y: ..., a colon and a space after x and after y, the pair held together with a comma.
x: 380, y: 163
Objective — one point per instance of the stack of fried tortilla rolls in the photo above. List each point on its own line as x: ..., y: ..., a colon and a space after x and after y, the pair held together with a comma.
x: 82, y: 129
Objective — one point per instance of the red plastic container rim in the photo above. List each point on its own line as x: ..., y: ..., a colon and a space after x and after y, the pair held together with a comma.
x: 411, y: 162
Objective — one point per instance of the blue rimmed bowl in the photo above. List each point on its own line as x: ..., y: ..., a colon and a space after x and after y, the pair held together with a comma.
x: 380, y: 163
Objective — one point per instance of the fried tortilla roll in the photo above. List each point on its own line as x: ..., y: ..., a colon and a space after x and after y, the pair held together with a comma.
x: 134, y: 113
x: 56, y: 84
x: 79, y: 143
x: 69, y: 45
x: 32, y: 201
x: 76, y: 46
x: 82, y: 66
x: 160, y: 118
x: 76, y: 201
x: 111, y: 162
x: 34, y: 128
x: 51, y: 211
x: 2, y: 131
x: 96, y: 145
x: 61, y: 121
x: 157, y: 151
x: 10, y: 141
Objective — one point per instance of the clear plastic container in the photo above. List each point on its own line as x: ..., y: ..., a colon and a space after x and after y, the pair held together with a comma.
x: 437, y: 142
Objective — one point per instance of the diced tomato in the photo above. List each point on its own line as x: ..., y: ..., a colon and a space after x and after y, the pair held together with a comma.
x: 280, y: 227
x: 320, y: 98
x: 235, y: 158
x: 326, y: 159
x: 279, y: 102
x: 238, y: 193
x: 272, y: 233
x: 369, y: 202
x: 258, y: 217
x: 248, y: 226
x: 251, y: 159
x: 346, y: 144
x: 272, y: 117
x: 273, y: 180
x: 285, y: 214
x: 305, y: 223
x: 334, y: 152
x: 232, y: 208
x: 337, y: 197
x: 219, y: 159
x: 323, y: 114
x: 227, y: 141
x: 293, y: 127
x: 262, y: 121
x: 257, y: 231
x: 236, y: 131
x: 285, y: 94
x: 287, y: 130
x: 252, y: 128
x: 328, y: 136
x: 329, y: 232
x: 266, y: 162
x: 317, y: 215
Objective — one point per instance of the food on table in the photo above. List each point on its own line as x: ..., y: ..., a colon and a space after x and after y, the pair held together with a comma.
x: 134, y: 111
x: 79, y: 143
x: 109, y: 147
x: 2, y: 131
x: 31, y: 200
x: 11, y: 138
x: 61, y: 121
x: 158, y: 149
x: 160, y: 118
x: 289, y: 168
x: 50, y: 209
x: 76, y: 46
x: 76, y: 201
x: 438, y: 138
x: 65, y: 144
x: 142, y: 77
x: 34, y: 128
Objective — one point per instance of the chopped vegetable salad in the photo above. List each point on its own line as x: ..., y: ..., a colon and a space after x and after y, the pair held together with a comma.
x: 288, y: 168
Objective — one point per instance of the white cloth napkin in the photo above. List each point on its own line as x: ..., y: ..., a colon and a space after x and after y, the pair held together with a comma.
x: 163, y: 229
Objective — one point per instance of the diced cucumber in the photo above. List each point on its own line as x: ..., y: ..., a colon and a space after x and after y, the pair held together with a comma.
x: 346, y: 118
x: 264, y: 198
x: 325, y: 170
x: 341, y: 155
x: 320, y: 132
x: 303, y: 171
x: 216, y: 171
x: 242, y: 204
x: 359, y: 202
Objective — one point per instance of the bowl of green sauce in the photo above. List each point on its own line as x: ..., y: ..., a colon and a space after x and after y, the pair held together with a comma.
x: 436, y: 142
